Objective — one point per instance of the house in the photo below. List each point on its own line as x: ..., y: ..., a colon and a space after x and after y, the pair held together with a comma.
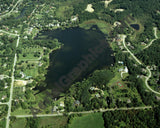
x: 128, y: 101
x: 74, y: 18
x: 61, y: 104
x: 126, y: 69
x: 119, y: 43
x: 23, y: 75
x: 120, y: 62
x: 116, y: 23
x: 54, y: 109
x: 92, y: 88
x: 4, y: 97
x: 77, y: 103
x: 5, y: 86
x: 28, y: 77
x: 118, y: 39
x: 142, y: 43
x: 97, y: 95
x: 123, y: 70
x: 120, y: 70
x: 121, y: 47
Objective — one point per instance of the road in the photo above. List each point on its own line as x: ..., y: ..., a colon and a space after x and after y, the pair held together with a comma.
x: 6, y: 103
x: 122, y: 74
x: 8, y: 33
x: 156, y: 37
x: 147, y: 78
x: 11, y: 9
x: 17, y: 41
x: 146, y: 81
x: 84, y: 112
x: 123, y: 38
x: 11, y: 92
x: 12, y: 84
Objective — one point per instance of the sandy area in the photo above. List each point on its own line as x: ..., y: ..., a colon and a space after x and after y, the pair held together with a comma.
x: 118, y: 10
x: 107, y: 2
x: 89, y: 8
x: 116, y: 23
x: 21, y: 82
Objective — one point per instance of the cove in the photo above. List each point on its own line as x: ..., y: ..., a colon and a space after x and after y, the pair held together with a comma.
x: 83, y: 52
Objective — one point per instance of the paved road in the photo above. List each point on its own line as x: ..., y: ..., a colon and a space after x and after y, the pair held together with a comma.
x: 147, y: 78
x: 6, y: 103
x: 9, y: 33
x: 156, y: 37
x: 11, y: 10
x: 11, y: 92
x: 17, y: 42
x: 11, y: 89
x: 146, y: 81
x: 123, y: 38
x: 84, y: 112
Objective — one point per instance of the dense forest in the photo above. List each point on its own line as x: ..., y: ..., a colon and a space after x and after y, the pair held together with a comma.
x: 82, y: 93
x: 149, y: 56
x: 133, y: 118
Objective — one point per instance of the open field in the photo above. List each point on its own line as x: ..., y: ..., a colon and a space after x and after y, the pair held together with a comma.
x: 88, y: 121
x: 19, y: 123
x: 53, y: 122
x: 45, y: 122
x: 63, y: 11
x: 30, y: 53
x: 102, y: 25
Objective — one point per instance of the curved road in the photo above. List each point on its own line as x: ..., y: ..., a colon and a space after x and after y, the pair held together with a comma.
x: 146, y: 81
x: 156, y: 37
x: 147, y: 78
x: 123, y: 38
x: 11, y: 10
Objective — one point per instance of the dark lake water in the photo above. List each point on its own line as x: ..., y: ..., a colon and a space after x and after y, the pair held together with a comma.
x: 135, y: 26
x: 83, y: 52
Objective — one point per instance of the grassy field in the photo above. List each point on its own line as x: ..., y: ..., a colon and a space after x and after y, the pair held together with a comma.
x: 21, y: 111
x: 29, y: 53
x: 102, y: 25
x: 53, y: 122
x: 158, y: 33
x: 19, y: 123
x: 45, y: 122
x: 64, y: 11
x: 88, y: 121
x: 31, y: 72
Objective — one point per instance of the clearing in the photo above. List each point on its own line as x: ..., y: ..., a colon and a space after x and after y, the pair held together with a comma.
x: 89, y: 8
x: 107, y: 2
x: 94, y: 120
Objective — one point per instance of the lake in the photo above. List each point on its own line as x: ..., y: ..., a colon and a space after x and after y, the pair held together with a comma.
x: 83, y: 52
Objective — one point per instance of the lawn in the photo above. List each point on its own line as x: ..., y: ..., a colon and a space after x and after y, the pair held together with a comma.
x: 64, y: 11
x: 31, y: 72
x: 21, y: 111
x: 94, y: 120
x: 28, y: 53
